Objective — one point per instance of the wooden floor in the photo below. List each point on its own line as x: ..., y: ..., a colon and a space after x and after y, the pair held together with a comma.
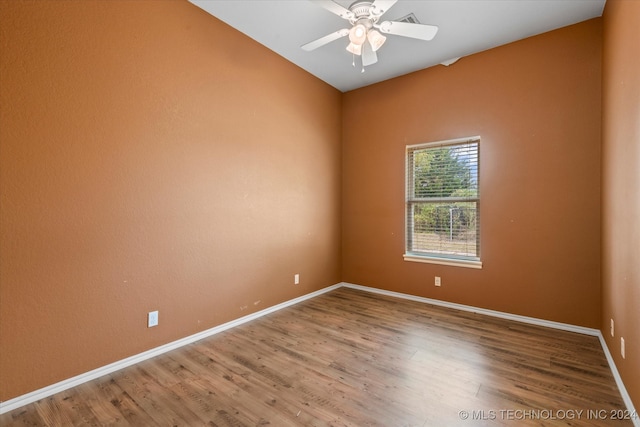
x: 352, y: 358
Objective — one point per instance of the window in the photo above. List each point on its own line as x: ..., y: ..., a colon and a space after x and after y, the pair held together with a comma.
x: 442, y: 203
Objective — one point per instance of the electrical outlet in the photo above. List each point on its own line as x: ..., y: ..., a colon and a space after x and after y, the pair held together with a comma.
x: 296, y: 279
x: 622, y: 347
x: 152, y: 319
x: 612, y: 328
x: 438, y: 281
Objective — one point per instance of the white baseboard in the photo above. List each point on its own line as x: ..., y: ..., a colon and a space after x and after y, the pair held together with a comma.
x: 42, y: 393
x: 472, y: 309
x: 524, y: 319
x: 619, y: 383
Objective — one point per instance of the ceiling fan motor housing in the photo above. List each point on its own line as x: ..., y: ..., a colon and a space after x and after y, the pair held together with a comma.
x: 362, y: 14
x: 361, y: 9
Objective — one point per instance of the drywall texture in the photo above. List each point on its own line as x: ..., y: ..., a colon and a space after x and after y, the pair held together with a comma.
x: 536, y: 104
x: 152, y: 158
x: 621, y: 188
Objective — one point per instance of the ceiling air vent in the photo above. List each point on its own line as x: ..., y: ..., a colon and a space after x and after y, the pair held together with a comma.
x: 409, y: 19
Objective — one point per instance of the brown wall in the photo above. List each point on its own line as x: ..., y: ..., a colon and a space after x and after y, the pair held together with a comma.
x: 621, y: 187
x: 536, y: 105
x: 152, y: 158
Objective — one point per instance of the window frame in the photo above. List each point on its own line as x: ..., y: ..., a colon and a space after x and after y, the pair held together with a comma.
x: 434, y: 257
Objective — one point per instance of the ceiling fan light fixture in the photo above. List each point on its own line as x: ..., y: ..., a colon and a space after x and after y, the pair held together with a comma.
x: 358, y: 34
x: 365, y: 33
x: 356, y: 49
x: 376, y: 39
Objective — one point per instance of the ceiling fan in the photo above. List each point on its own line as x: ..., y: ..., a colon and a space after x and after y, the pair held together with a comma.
x: 364, y: 35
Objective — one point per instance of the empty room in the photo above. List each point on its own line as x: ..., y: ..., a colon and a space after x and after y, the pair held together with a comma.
x: 323, y: 213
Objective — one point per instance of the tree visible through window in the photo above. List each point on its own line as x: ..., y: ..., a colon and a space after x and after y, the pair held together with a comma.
x: 443, y: 199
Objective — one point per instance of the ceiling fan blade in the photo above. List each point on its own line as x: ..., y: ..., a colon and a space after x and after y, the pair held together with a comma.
x: 416, y: 31
x: 369, y: 57
x: 335, y: 8
x: 324, y: 40
x: 381, y: 7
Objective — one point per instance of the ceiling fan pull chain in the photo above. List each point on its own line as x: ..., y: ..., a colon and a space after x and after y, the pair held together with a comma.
x: 353, y: 61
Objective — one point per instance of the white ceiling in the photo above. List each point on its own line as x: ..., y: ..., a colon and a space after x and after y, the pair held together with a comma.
x: 465, y: 27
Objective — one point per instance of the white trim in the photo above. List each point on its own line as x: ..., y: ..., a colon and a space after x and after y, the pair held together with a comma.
x: 444, y: 261
x: 485, y: 311
x: 36, y: 395
x: 616, y: 375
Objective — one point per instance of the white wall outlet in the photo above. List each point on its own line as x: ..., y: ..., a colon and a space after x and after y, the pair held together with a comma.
x: 296, y: 279
x: 612, y: 334
x: 622, y: 347
x: 152, y: 319
x: 438, y: 282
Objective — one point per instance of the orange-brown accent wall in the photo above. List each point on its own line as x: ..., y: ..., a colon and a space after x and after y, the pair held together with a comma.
x: 151, y: 158
x: 536, y: 104
x: 621, y: 188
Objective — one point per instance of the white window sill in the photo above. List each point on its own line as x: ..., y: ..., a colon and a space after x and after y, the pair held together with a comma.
x: 443, y: 261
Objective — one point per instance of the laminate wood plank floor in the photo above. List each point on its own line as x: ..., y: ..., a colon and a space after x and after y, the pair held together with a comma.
x: 354, y: 358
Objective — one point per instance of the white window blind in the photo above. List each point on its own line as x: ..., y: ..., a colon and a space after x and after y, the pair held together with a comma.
x: 442, y: 200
